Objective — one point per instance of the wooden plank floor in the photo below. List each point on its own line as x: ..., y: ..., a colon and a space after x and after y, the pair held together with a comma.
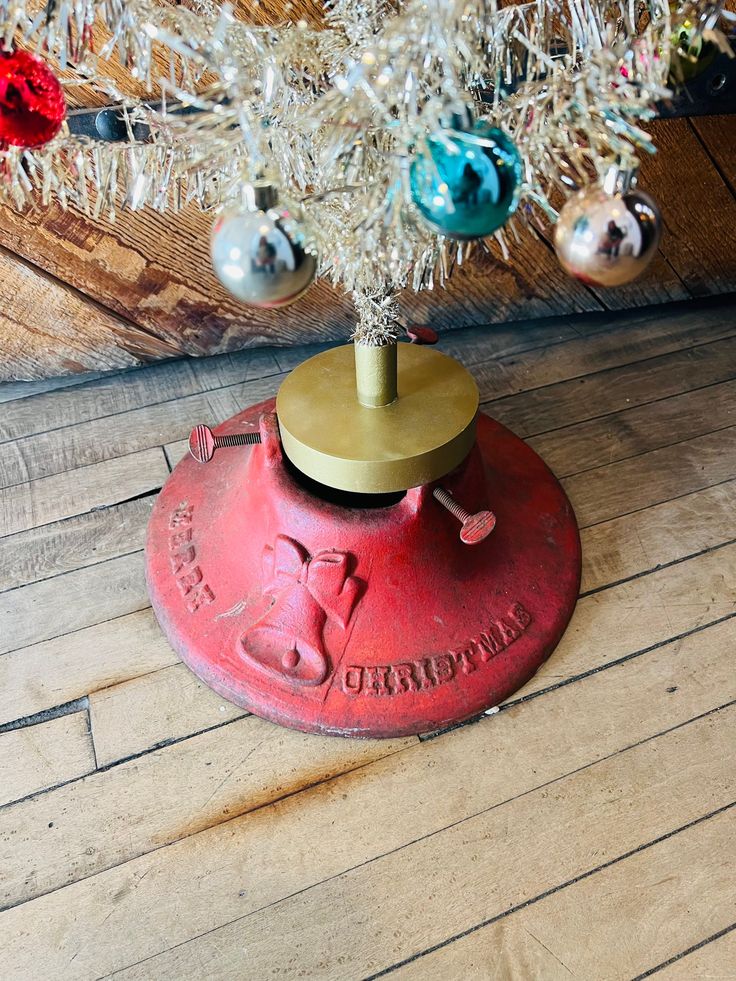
x: 150, y: 830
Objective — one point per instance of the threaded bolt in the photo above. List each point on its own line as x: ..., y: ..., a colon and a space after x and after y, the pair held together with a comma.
x: 475, y: 527
x: 203, y: 443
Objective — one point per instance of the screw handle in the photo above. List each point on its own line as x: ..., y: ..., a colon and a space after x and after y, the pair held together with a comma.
x: 475, y: 527
x: 203, y: 442
x: 421, y: 334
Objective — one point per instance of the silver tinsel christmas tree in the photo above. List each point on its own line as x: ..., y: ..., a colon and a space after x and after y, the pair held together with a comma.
x: 337, y: 141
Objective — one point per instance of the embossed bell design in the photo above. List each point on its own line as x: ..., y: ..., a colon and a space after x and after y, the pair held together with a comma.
x: 288, y: 640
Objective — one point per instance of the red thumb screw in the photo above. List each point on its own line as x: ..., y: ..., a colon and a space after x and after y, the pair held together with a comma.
x: 475, y: 527
x: 421, y: 334
x: 202, y: 442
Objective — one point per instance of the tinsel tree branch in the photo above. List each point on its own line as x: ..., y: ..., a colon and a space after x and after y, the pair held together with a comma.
x: 378, y: 320
x: 334, y: 115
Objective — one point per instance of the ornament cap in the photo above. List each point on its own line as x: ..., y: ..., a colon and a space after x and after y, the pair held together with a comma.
x: 459, y: 118
x: 620, y: 178
x: 260, y: 195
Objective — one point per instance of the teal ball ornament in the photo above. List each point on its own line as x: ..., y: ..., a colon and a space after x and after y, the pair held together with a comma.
x: 466, y: 183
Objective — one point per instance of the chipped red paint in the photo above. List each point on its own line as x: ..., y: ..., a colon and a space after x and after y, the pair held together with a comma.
x: 361, y: 622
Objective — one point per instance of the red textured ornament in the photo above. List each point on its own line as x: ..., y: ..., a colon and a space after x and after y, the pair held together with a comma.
x: 362, y: 621
x: 32, y: 105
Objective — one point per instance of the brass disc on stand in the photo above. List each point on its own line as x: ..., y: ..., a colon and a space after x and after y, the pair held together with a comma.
x: 380, y: 448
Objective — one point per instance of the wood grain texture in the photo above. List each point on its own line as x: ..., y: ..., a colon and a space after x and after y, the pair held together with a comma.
x: 718, y: 136
x: 639, y: 614
x: 95, y: 439
x: 651, y: 898
x: 712, y: 962
x: 13, y: 391
x: 654, y: 477
x: 173, y: 792
x: 133, y: 911
x: 482, y: 343
x: 154, y: 273
x: 554, y: 404
x: 149, y: 282
x: 659, y: 283
x: 67, y: 667
x: 73, y: 543
x: 620, y: 435
x: 698, y: 209
x: 114, y: 436
x: 612, y: 389
x: 170, y: 703
x: 616, y: 806
x: 93, y: 397
x: 45, y: 755
x: 54, y: 607
x: 71, y: 492
x: 48, y: 328
x: 640, y: 542
x: 161, y: 707
x: 168, y: 708
x: 633, y: 339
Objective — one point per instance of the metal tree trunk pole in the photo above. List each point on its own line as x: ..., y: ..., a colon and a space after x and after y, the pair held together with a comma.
x: 376, y: 374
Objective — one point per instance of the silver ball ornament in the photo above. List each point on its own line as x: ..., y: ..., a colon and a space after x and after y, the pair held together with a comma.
x: 258, y: 250
x: 607, y: 236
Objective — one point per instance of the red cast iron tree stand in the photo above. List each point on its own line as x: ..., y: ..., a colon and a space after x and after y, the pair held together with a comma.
x: 361, y: 621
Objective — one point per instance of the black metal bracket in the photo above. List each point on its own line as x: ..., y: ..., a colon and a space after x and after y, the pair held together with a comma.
x: 711, y: 93
x: 109, y: 123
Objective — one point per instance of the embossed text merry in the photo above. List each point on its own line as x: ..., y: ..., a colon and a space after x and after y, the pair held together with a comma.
x: 182, y: 558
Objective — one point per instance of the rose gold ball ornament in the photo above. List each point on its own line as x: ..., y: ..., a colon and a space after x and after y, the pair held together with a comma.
x: 259, y: 250
x: 608, y: 235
